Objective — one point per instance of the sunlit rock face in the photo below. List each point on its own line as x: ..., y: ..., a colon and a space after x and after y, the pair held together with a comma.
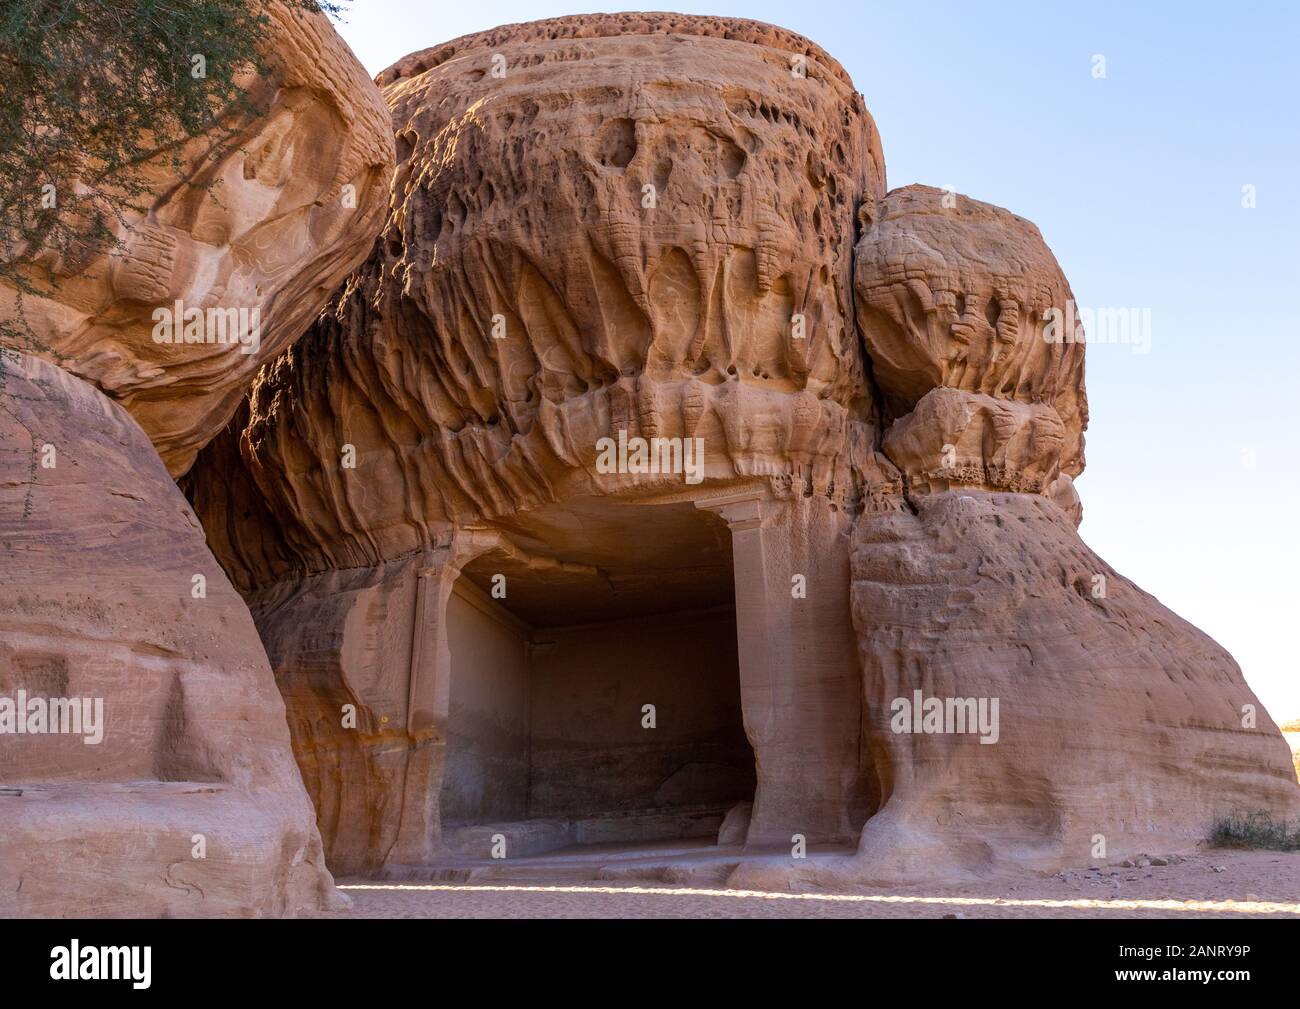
x: 961, y: 306
x: 190, y: 802
x: 178, y: 796
x: 1121, y: 728
x: 271, y: 222
x: 958, y: 294
x: 614, y: 235
x: 601, y: 227
x: 660, y: 226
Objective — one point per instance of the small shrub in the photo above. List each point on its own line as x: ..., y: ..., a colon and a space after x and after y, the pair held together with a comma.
x: 1255, y: 830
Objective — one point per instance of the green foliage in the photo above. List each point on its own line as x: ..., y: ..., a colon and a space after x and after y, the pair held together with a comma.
x: 90, y: 90
x: 1255, y: 830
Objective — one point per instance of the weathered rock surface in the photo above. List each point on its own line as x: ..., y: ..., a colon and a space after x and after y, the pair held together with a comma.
x: 99, y: 553
x: 956, y: 293
x: 517, y: 210
x: 1116, y: 718
x: 955, y: 302
x: 615, y: 236
x: 273, y: 222
x: 890, y: 436
x: 191, y: 802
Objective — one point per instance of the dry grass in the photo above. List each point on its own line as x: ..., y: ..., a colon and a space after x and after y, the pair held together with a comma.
x: 1256, y: 830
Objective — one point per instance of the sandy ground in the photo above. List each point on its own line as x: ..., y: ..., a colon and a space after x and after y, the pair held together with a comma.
x: 1215, y: 884
x: 1212, y: 884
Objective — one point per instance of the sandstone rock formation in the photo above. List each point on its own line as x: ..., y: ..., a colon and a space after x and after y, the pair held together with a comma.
x: 269, y: 221
x: 522, y: 302
x: 190, y: 803
x: 954, y: 301
x: 1117, y: 719
x: 631, y: 226
x: 530, y: 296
x: 673, y: 227
x: 642, y: 226
x: 98, y: 558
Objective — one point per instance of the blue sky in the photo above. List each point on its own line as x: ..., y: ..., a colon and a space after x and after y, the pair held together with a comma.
x: 1136, y: 181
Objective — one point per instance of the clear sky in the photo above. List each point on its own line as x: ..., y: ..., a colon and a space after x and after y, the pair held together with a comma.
x: 1136, y: 181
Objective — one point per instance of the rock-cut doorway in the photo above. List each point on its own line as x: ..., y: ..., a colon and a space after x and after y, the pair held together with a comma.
x: 594, y: 685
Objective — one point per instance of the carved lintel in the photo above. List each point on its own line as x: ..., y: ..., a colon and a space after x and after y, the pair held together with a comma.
x: 741, y: 510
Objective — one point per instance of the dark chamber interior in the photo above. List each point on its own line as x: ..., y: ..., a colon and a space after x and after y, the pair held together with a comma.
x: 546, y: 743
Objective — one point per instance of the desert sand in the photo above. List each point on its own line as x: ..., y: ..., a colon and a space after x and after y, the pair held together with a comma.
x: 1216, y: 883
